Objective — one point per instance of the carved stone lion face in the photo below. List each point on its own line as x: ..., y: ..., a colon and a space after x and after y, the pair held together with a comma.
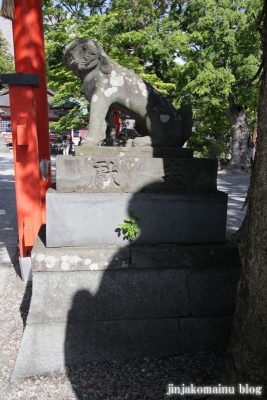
x: 83, y: 55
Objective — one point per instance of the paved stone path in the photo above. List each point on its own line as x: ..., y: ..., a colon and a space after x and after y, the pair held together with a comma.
x: 8, y: 216
x: 236, y: 186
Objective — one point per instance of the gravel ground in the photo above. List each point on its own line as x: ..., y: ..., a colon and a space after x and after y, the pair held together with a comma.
x: 145, y: 378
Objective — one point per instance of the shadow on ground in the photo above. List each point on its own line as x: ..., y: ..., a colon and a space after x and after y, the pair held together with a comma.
x: 146, y: 378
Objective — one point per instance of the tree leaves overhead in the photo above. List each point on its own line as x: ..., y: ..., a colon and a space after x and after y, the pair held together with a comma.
x: 194, y: 51
x: 6, y: 59
x: 222, y: 56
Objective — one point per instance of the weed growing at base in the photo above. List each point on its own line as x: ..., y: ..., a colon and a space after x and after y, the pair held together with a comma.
x: 130, y: 228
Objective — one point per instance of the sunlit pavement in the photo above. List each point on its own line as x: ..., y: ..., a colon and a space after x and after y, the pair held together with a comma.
x: 235, y: 185
x: 8, y: 217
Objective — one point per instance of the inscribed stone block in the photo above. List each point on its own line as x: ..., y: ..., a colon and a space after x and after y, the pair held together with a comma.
x: 136, y: 174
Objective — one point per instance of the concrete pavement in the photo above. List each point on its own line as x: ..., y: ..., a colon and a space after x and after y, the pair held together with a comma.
x: 8, y: 218
x: 236, y: 187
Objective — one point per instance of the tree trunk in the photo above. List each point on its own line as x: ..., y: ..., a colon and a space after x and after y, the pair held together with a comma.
x: 7, y: 9
x: 241, y: 158
x: 248, y: 346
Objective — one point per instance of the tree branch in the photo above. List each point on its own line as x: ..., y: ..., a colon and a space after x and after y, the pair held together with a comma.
x: 257, y: 73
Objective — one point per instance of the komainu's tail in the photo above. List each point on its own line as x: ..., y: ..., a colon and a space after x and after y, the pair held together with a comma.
x: 187, y: 121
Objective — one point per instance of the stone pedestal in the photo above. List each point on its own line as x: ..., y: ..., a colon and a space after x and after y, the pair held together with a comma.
x: 76, y: 219
x: 95, y: 298
x: 175, y: 197
x: 124, y: 173
x: 107, y: 303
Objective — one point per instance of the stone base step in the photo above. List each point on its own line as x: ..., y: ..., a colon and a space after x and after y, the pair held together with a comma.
x: 101, y: 303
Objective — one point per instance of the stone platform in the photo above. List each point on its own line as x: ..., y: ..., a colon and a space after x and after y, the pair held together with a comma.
x: 76, y: 219
x: 104, y: 303
x: 174, y: 194
x: 94, y: 297
x: 132, y: 174
x: 142, y: 151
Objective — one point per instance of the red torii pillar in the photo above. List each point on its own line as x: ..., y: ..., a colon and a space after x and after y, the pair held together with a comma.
x: 30, y: 128
x: 26, y: 161
x: 28, y: 36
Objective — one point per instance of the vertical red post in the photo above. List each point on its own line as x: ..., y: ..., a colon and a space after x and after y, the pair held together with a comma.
x: 30, y: 58
x: 26, y: 165
x: 116, y: 122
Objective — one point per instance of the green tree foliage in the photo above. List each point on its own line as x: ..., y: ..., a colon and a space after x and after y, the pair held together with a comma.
x: 59, y: 28
x: 222, y: 56
x: 193, y: 51
x: 6, y: 59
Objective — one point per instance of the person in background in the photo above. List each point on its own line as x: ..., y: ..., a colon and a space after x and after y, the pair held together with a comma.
x: 71, y: 150
x: 65, y: 145
x: 80, y: 141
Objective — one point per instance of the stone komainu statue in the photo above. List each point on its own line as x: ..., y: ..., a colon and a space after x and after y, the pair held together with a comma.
x: 108, y: 86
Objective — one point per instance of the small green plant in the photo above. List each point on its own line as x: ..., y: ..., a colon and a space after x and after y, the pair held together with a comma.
x: 130, y: 228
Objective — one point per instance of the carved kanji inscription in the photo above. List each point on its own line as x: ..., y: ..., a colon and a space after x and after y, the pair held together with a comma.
x: 105, y: 173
